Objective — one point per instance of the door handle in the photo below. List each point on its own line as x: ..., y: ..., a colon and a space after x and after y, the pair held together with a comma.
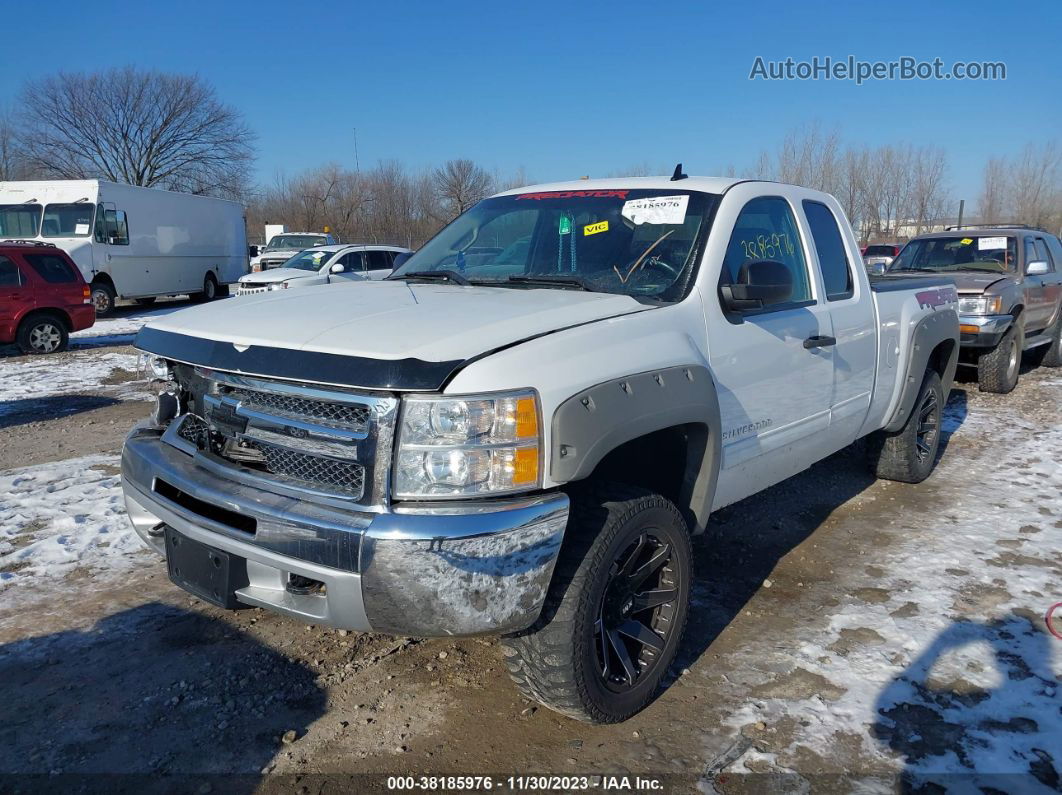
x: 819, y: 342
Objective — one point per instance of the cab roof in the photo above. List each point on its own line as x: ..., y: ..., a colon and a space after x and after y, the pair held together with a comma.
x: 704, y: 184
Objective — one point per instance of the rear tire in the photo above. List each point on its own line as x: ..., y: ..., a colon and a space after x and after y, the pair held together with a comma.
x: 910, y: 454
x: 210, y: 289
x: 42, y: 334
x: 103, y: 297
x: 615, y: 611
x: 1052, y: 356
x: 998, y: 370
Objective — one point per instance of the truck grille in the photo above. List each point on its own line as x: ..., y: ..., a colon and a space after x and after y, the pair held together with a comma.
x: 343, y: 415
x: 313, y: 470
x: 327, y: 441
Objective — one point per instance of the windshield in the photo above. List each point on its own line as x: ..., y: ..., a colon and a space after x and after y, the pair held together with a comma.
x: 19, y: 220
x: 994, y: 254
x: 633, y: 242
x: 67, y: 220
x: 309, y: 260
x: 295, y: 241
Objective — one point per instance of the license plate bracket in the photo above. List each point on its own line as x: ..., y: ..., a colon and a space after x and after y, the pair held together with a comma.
x: 211, y: 574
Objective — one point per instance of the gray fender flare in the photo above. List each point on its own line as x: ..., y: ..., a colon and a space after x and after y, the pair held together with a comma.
x: 929, y: 332
x: 591, y: 424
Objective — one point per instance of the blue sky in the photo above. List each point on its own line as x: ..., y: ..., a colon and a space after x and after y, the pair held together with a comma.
x: 566, y: 89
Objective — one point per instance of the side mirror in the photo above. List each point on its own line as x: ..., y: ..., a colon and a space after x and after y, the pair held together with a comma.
x: 339, y: 267
x: 760, y: 283
x: 1037, y: 268
x: 877, y: 268
x: 252, y: 251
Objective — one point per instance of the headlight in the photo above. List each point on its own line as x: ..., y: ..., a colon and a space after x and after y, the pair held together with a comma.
x: 985, y: 305
x: 157, y: 366
x: 278, y: 286
x: 464, y: 446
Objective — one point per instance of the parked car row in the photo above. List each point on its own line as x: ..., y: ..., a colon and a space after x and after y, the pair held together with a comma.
x: 326, y: 264
x: 518, y: 430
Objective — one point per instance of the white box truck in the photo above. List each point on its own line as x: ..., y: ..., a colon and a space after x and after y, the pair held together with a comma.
x: 131, y: 242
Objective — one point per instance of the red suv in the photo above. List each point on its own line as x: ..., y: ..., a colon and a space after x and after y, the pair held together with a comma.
x: 42, y: 297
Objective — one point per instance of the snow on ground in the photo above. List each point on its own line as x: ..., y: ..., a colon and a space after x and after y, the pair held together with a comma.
x: 60, y: 519
x: 943, y: 666
x: 28, y: 377
x: 119, y: 330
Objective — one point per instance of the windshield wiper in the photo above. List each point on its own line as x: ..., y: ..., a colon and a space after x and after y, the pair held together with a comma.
x: 439, y: 275
x: 550, y: 280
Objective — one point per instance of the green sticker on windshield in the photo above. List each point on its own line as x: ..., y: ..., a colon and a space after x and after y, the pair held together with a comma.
x: 564, y: 227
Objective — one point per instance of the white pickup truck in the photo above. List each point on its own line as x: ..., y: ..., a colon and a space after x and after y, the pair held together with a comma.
x: 519, y: 431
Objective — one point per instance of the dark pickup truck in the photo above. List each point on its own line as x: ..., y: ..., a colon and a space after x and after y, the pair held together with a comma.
x: 1009, y: 280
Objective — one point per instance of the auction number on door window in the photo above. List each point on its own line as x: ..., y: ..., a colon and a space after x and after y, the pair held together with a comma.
x: 773, y: 246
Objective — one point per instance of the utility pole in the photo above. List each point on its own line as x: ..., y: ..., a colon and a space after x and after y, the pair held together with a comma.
x: 962, y: 205
x: 357, y: 165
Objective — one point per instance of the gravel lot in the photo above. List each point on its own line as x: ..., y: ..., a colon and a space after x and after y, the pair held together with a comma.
x: 845, y: 630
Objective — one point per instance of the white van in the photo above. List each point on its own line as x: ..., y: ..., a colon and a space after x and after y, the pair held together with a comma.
x: 131, y: 242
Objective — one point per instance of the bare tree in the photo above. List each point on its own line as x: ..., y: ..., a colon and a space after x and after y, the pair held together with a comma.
x: 1036, y: 184
x: 994, y: 188
x: 137, y: 127
x: 459, y: 184
x: 12, y: 162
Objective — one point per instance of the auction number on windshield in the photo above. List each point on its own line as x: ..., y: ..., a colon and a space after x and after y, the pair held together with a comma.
x: 773, y: 246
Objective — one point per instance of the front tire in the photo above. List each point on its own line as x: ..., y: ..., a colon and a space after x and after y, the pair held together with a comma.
x: 42, y: 334
x: 997, y: 370
x: 616, y: 609
x: 910, y: 454
x: 103, y: 297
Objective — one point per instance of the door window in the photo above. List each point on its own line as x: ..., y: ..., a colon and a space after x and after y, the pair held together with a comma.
x: 767, y: 230
x: 833, y: 261
x: 1043, y: 254
x: 112, y: 226
x: 9, y: 275
x: 352, y: 262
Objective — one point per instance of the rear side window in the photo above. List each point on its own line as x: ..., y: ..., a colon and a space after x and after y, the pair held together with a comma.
x: 51, y: 268
x: 766, y: 229
x: 379, y: 260
x: 833, y: 261
x: 9, y: 275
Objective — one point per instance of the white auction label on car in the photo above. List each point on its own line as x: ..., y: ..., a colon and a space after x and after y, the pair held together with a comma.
x: 81, y: 229
x: 986, y: 243
x: 657, y: 209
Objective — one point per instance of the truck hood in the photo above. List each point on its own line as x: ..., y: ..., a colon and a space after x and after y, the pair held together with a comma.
x: 387, y: 320
x: 276, y: 275
x: 969, y: 282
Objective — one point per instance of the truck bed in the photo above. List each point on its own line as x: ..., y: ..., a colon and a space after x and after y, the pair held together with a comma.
x: 902, y: 303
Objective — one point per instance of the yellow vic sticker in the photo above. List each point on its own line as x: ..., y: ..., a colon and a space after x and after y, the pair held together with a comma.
x: 593, y: 229
x: 966, y: 241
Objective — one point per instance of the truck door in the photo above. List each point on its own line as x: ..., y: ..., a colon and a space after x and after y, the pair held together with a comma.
x: 1041, y: 290
x: 852, y: 315
x: 773, y: 366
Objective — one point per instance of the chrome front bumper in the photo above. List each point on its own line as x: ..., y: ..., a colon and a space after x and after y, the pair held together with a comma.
x: 424, y: 570
x: 989, y: 329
